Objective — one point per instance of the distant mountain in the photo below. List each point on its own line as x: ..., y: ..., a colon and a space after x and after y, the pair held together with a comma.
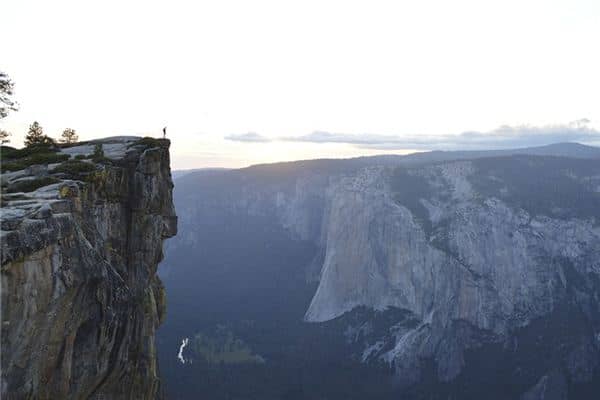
x: 333, y: 166
x: 428, y: 276
x: 575, y: 150
x: 178, y: 173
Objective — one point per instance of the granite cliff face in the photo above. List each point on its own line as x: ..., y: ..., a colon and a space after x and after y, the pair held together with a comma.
x: 80, y: 296
x: 492, y: 262
x: 469, y: 266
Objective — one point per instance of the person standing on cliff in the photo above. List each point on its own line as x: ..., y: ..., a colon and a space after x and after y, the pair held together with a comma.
x: 165, y: 132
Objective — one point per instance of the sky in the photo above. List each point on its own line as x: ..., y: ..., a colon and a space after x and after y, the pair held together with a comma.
x: 245, y: 82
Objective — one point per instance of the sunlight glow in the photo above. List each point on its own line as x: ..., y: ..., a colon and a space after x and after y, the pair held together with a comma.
x: 209, y: 69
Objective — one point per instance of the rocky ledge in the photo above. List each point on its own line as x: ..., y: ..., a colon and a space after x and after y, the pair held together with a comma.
x: 81, y: 241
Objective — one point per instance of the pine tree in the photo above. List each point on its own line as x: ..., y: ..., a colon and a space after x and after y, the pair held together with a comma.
x: 7, y: 103
x: 4, y: 136
x: 69, y: 136
x: 36, y: 135
x: 98, y: 154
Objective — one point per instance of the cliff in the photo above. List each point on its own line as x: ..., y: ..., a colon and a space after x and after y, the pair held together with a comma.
x: 454, y: 246
x: 492, y: 262
x: 81, y: 241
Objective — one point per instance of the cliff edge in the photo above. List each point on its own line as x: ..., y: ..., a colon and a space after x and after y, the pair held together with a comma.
x: 81, y: 242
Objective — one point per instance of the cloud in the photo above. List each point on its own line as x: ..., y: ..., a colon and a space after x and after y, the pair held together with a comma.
x: 502, y: 137
x: 250, y: 137
x: 328, y: 137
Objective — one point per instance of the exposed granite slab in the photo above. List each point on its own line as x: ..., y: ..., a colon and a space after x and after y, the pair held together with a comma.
x: 80, y: 295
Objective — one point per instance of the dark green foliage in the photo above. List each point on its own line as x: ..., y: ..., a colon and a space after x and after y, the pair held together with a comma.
x: 48, y: 158
x: 98, y: 151
x: 31, y: 185
x: 7, y: 152
x: 98, y: 155
x: 42, y: 153
x: 43, y: 140
x: 80, y: 157
x: 13, y: 166
x: 99, y: 180
x: 36, y: 136
x: 75, y: 167
x: 34, y: 156
x: 101, y: 160
x: 551, y: 186
x: 220, y: 345
x: 148, y: 142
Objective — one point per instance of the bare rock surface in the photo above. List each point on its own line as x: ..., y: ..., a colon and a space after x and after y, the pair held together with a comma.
x: 80, y: 296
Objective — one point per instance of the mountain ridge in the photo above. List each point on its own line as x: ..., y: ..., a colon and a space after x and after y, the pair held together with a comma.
x: 474, y: 255
x: 562, y: 149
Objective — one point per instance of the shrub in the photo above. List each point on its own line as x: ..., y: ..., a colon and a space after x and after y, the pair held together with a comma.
x: 7, y: 152
x: 31, y: 185
x: 12, y: 153
x: 98, y: 150
x: 13, y: 166
x: 48, y: 158
x: 96, y: 177
x: 75, y: 167
x: 37, y: 158
x: 147, y: 142
x: 98, y: 155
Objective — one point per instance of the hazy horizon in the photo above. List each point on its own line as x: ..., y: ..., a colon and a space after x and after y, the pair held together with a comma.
x: 241, y: 83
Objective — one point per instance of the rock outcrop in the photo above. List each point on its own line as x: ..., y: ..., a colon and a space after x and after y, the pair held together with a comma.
x: 462, y: 261
x: 80, y: 296
x: 493, y: 262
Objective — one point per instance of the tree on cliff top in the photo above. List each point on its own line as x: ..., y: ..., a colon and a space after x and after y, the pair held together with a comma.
x: 69, y: 136
x: 98, y: 154
x: 6, y: 92
x: 4, y: 136
x: 35, y: 135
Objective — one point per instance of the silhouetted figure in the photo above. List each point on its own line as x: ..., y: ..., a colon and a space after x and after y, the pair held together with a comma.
x: 165, y: 132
